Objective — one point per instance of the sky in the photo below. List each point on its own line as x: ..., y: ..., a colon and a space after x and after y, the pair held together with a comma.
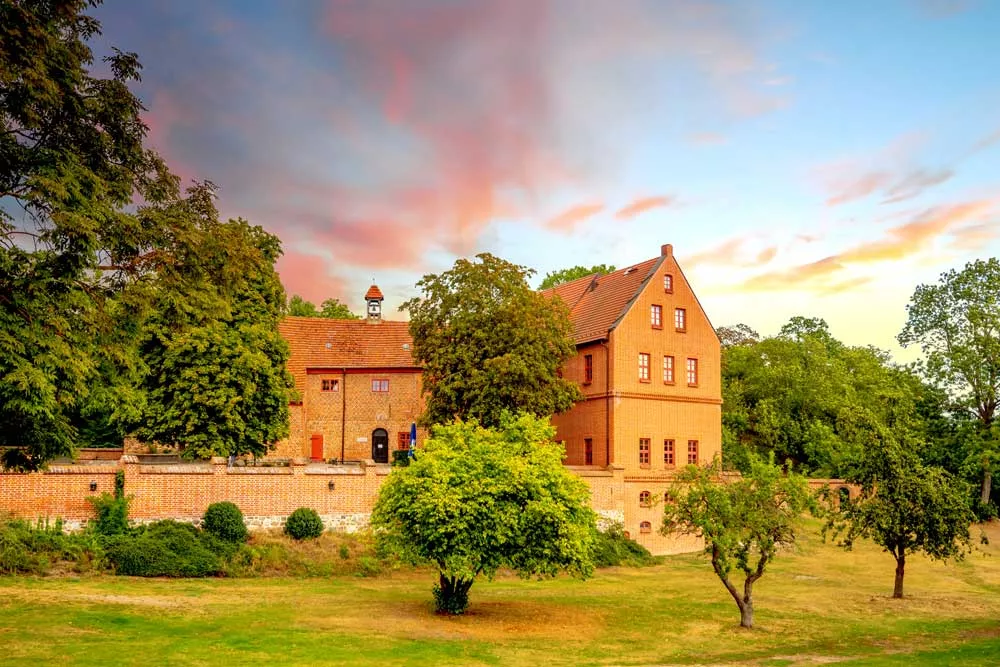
x: 803, y: 157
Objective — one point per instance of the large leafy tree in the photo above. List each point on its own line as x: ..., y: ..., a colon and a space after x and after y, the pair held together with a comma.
x: 330, y: 308
x: 905, y: 507
x: 488, y: 343
x: 744, y: 521
x: 71, y: 159
x: 957, y: 324
x: 553, y: 278
x: 476, y: 500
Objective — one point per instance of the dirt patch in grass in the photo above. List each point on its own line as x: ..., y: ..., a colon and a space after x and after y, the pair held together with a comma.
x: 50, y: 596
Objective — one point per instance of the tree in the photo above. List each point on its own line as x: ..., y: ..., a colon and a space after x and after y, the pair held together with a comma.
x: 554, y: 278
x: 904, y: 507
x: 744, y: 521
x: 957, y: 325
x: 331, y: 308
x: 489, y: 344
x: 476, y: 500
x: 738, y: 334
x: 71, y: 160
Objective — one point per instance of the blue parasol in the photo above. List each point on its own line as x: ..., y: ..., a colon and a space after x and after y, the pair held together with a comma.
x: 413, y: 439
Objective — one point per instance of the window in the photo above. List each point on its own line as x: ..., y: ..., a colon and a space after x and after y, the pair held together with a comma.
x: 644, y: 451
x: 668, y: 283
x: 588, y: 451
x: 693, y: 452
x: 645, y: 527
x: 692, y: 372
x: 331, y: 385
x: 668, y: 369
x: 588, y: 368
x: 668, y: 452
x: 643, y: 367
x: 644, y: 498
x: 680, y: 319
x: 666, y: 497
x: 403, y: 440
x: 381, y: 386
x: 656, y: 316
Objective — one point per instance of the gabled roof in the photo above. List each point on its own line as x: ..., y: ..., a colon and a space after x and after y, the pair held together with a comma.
x: 373, y: 293
x: 597, y: 302
x: 319, y: 342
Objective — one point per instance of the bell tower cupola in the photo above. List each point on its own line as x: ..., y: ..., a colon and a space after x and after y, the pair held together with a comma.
x: 373, y: 300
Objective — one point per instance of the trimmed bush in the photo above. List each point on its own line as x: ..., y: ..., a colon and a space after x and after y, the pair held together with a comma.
x: 225, y: 521
x: 613, y: 549
x: 304, y: 523
x: 165, y: 549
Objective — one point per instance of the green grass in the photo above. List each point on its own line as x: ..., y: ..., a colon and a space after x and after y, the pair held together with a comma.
x: 817, y: 605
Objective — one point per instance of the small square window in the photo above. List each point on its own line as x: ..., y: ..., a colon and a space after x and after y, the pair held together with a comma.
x: 403, y: 440
x: 588, y: 368
x: 644, y: 452
x: 331, y: 385
x: 668, y: 452
x: 644, y: 498
x: 668, y: 283
x: 680, y: 319
x: 692, y: 372
x: 380, y: 386
x: 643, y: 367
x: 668, y: 369
x: 656, y: 316
x: 645, y: 527
x: 692, y: 452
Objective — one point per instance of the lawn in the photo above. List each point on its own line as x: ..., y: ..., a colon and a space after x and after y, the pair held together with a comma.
x: 815, y: 606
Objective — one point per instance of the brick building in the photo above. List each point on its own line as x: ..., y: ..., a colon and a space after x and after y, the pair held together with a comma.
x: 359, y: 388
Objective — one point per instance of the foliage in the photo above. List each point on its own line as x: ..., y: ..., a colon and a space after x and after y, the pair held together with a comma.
x: 330, y: 308
x: 905, y: 507
x: 804, y: 396
x: 613, y: 549
x: 112, y: 513
x: 35, y: 549
x: 400, y: 457
x: 479, y: 499
x: 561, y: 276
x: 304, y: 523
x: 224, y: 520
x: 167, y: 549
x: 738, y: 334
x: 744, y: 521
x: 488, y: 343
x: 957, y: 325
x: 71, y: 160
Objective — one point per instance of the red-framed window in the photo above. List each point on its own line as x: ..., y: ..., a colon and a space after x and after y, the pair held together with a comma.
x: 588, y: 368
x: 380, y: 386
x: 680, y: 319
x: 643, y: 367
x: 403, y: 440
x: 668, y: 452
x: 693, y: 452
x: 644, y: 451
x: 692, y: 372
x: 644, y: 498
x: 668, y: 283
x: 668, y: 369
x: 330, y: 385
x: 645, y: 527
x: 656, y: 316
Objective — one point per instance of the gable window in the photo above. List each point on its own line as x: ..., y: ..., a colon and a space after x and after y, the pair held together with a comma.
x: 693, y: 452
x: 645, y: 527
x: 692, y: 372
x: 668, y: 452
x: 644, y: 498
x: 331, y: 385
x: 588, y: 451
x: 588, y: 368
x: 680, y: 319
x: 380, y: 386
x: 656, y: 316
x: 403, y: 440
x: 668, y: 369
x: 644, y: 452
x: 643, y: 367
x: 668, y: 283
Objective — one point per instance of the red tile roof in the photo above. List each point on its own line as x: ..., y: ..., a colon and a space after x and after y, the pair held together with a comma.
x: 374, y: 293
x: 597, y: 302
x: 319, y: 342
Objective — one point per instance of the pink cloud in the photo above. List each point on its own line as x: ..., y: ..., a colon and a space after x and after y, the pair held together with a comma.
x: 640, y: 206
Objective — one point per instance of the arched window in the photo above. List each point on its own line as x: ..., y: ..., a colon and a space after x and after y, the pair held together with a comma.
x: 645, y: 527
x: 644, y: 498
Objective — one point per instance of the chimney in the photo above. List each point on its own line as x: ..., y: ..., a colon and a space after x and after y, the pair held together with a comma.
x: 667, y: 250
x: 373, y: 299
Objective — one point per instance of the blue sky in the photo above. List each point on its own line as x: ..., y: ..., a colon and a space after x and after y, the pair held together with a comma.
x: 803, y: 157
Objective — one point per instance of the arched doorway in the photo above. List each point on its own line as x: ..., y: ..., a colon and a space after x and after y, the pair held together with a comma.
x: 380, y: 445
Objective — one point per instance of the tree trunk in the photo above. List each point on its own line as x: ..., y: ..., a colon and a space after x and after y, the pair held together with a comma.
x: 746, y: 615
x: 987, y: 487
x: 897, y: 591
x: 451, y: 595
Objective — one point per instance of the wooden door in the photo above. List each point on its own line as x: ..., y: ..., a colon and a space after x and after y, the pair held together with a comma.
x: 317, y: 446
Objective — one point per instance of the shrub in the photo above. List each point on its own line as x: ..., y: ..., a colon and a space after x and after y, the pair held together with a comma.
x: 225, y: 521
x: 613, y: 549
x: 112, y: 513
x: 27, y: 549
x: 165, y: 549
x: 304, y: 523
x: 400, y: 457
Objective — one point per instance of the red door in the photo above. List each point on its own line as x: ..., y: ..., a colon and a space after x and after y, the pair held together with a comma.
x: 317, y: 447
